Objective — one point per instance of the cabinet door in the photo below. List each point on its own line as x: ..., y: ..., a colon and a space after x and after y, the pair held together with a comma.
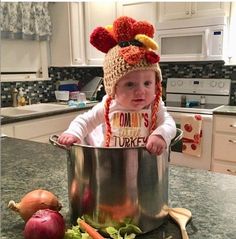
x: 232, y: 34
x: 60, y: 47
x: 180, y: 10
x: 67, y: 42
x: 174, y: 10
x: 138, y: 10
x: 200, y: 9
x: 97, y: 14
x: 77, y: 33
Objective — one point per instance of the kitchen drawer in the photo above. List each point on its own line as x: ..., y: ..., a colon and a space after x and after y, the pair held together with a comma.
x: 224, y: 167
x: 225, y: 124
x: 36, y: 128
x: 225, y: 147
x: 40, y: 129
x: 7, y: 130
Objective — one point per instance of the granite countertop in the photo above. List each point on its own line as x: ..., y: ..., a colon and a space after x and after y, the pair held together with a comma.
x: 225, y: 110
x: 27, y: 165
x: 12, y: 119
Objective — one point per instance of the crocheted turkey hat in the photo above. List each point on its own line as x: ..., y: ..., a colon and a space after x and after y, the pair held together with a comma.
x: 129, y: 46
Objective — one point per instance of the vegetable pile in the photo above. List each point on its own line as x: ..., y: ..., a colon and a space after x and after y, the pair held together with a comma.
x: 83, y: 230
x: 39, y: 209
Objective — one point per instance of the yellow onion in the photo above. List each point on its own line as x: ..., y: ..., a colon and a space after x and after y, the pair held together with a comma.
x: 34, y: 201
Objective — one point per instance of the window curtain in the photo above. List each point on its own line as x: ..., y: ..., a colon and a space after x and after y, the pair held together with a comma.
x: 25, y: 20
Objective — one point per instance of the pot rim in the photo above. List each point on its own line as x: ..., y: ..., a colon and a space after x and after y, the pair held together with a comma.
x: 53, y: 141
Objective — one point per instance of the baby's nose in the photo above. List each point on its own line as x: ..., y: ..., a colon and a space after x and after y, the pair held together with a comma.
x: 139, y: 89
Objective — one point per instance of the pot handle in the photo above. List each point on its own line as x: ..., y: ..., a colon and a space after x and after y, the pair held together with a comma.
x: 53, y: 140
x: 178, y: 137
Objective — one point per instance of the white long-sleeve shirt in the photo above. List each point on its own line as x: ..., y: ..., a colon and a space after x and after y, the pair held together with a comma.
x: 129, y: 128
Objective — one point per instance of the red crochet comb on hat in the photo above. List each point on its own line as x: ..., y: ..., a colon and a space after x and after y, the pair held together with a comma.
x: 134, y: 37
x: 124, y: 29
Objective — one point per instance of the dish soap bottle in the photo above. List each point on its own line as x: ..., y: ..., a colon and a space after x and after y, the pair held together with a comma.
x: 21, y: 98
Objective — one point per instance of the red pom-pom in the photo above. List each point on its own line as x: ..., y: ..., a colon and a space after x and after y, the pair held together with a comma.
x: 102, y: 39
x: 143, y: 27
x: 152, y: 57
x: 123, y: 28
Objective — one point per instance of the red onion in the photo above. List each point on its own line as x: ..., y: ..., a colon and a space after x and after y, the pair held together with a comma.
x: 45, y: 224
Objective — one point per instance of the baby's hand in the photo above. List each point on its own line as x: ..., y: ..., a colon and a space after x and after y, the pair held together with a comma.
x: 156, y: 144
x: 68, y: 139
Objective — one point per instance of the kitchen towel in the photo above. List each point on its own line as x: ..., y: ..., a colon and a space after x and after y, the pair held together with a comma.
x: 192, y: 134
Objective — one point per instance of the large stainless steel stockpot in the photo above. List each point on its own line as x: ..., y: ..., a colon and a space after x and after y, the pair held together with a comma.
x: 115, y: 184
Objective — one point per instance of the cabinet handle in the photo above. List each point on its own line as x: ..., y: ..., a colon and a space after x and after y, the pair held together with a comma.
x: 232, y: 141
x: 232, y: 125
x: 192, y: 12
x: 230, y: 171
x: 187, y: 12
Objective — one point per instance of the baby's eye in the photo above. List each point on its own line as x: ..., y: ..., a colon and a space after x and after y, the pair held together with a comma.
x: 148, y: 83
x: 129, y: 84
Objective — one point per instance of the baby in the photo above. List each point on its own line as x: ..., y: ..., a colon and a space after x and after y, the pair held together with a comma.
x: 132, y: 112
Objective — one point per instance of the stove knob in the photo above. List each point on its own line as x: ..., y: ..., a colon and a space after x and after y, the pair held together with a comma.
x: 213, y: 83
x: 173, y: 83
x: 179, y: 82
x: 221, y: 84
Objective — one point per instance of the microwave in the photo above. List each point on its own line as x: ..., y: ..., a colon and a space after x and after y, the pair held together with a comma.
x: 203, y: 39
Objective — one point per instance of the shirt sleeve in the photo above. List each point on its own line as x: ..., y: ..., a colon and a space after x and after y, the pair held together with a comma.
x: 166, y: 126
x: 84, y: 123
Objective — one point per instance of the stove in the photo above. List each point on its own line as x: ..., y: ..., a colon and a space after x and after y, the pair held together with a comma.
x: 186, y: 97
x: 196, y: 95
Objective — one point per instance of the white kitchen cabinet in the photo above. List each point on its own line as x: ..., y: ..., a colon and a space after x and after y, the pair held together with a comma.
x: 232, y: 35
x: 73, y: 22
x: 67, y: 41
x: 138, y: 10
x: 180, y: 10
x: 39, y: 129
x: 97, y: 14
x: 224, y: 144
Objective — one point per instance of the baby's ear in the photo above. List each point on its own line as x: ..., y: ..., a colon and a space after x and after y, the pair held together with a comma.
x: 102, y: 39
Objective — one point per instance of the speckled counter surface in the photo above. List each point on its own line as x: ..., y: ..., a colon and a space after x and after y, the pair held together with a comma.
x: 226, y: 110
x: 26, y: 166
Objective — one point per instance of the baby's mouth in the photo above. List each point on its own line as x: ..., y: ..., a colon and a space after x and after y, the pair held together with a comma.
x: 138, y: 100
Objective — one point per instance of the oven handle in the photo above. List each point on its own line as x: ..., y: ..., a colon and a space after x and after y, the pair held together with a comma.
x: 178, y: 137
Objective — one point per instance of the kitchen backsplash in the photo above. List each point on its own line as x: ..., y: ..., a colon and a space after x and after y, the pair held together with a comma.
x: 43, y: 91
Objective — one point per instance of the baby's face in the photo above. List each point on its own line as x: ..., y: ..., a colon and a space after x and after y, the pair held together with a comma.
x: 136, y: 90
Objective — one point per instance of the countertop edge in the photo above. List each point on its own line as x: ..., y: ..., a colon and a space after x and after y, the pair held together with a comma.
x: 8, y: 120
x: 225, y: 110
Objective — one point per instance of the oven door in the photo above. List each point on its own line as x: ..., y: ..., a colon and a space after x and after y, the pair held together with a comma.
x: 182, y: 159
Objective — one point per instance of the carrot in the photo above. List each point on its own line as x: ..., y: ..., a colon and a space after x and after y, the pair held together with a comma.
x: 90, y: 230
